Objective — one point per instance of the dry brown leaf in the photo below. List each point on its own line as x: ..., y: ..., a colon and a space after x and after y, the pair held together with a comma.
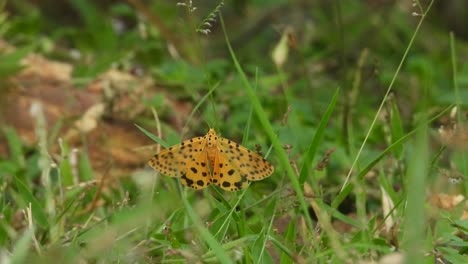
x: 102, y: 113
x: 445, y: 201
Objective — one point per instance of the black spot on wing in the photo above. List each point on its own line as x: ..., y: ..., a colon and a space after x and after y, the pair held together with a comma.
x: 186, y: 181
x: 242, y: 183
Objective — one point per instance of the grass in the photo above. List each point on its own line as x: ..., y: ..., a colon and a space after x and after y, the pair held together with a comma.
x: 356, y: 167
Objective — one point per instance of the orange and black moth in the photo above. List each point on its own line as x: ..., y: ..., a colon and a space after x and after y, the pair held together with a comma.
x: 211, y: 159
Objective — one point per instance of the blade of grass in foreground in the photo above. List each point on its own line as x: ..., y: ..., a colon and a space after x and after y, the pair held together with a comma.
x: 22, y: 248
x: 153, y: 137
x: 289, y: 236
x: 14, y: 145
x: 209, y: 256
x: 206, y: 235
x: 39, y: 214
x: 458, y: 101
x: 260, y: 112
x: 396, y: 130
x: 384, y: 99
x: 349, y: 187
x: 414, y: 222
x: 313, y: 147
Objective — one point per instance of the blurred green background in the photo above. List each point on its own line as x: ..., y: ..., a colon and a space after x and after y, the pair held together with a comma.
x: 359, y: 105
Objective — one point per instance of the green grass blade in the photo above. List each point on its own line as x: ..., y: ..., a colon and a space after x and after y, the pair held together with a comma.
x: 22, y: 248
x: 10, y: 63
x: 66, y: 173
x: 14, y: 145
x: 286, y: 252
x: 85, y: 167
x: 314, y: 144
x: 397, y: 130
x: 38, y: 212
x: 153, y: 137
x: 262, y: 117
x: 348, y: 188
x: 414, y: 223
x: 206, y: 235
